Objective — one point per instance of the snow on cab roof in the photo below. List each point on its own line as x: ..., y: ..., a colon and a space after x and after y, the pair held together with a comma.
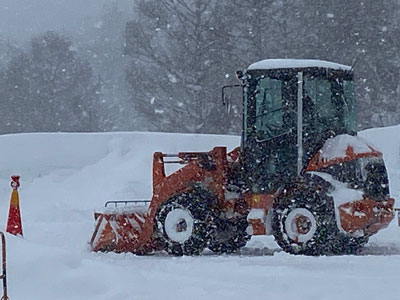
x: 267, y: 64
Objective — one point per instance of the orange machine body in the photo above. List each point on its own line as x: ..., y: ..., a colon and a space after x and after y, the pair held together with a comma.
x: 132, y: 230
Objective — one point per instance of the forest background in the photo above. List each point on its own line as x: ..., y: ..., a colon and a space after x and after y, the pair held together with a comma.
x: 159, y: 65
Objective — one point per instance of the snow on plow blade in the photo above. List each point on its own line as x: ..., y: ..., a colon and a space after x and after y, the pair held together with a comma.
x: 120, y: 230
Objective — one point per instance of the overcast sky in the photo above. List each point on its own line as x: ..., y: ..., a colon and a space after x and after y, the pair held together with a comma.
x: 20, y: 19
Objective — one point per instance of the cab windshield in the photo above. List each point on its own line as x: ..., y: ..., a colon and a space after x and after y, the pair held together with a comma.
x: 329, y: 104
x: 271, y: 105
x: 270, y: 110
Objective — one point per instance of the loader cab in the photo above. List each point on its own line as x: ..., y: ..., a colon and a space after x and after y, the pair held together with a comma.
x: 290, y: 108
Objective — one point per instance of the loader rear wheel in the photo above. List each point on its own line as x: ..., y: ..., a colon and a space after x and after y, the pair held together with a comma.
x: 228, y: 236
x: 184, y: 222
x: 304, y: 220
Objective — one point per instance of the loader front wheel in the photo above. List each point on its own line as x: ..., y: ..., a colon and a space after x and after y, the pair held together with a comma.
x: 184, y: 222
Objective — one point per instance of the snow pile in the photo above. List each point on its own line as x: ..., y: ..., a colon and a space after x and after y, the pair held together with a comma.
x: 336, y: 147
x: 65, y: 177
x: 341, y: 193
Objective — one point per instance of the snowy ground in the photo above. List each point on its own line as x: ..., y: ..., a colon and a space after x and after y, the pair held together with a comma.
x: 65, y: 177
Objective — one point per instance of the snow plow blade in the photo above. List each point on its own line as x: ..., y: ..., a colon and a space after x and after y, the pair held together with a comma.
x: 120, y: 231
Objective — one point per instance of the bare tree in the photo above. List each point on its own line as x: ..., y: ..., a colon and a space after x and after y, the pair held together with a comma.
x: 181, y: 55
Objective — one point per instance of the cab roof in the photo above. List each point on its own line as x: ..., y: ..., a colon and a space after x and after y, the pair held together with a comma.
x: 269, y: 64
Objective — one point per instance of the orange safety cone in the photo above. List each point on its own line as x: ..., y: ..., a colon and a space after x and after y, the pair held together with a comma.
x: 14, y: 224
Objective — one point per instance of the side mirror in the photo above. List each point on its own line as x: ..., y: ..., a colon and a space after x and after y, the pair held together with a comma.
x: 239, y: 75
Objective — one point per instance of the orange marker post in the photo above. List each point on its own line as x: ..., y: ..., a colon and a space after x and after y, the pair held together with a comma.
x: 14, y: 223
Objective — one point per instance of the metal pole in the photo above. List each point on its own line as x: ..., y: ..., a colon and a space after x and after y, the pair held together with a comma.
x: 4, y: 275
x: 299, y: 122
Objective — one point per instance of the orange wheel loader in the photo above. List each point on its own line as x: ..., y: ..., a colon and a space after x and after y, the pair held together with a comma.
x: 300, y: 174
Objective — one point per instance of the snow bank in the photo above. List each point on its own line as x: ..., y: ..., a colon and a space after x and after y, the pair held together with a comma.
x: 387, y: 140
x: 65, y: 177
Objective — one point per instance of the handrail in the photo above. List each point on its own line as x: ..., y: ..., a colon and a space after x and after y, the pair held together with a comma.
x: 4, y: 274
x: 126, y: 202
x: 228, y: 86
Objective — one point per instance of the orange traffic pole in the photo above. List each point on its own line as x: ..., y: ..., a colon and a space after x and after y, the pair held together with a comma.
x: 14, y: 223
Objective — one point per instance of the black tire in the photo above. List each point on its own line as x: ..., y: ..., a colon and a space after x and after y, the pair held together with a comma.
x: 184, y: 221
x: 345, y: 244
x: 228, y: 236
x: 304, y: 220
x: 312, y: 196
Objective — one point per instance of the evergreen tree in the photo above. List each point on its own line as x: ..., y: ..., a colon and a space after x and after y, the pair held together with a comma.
x: 62, y: 87
x: 15, y: 104
x: 49, y: 89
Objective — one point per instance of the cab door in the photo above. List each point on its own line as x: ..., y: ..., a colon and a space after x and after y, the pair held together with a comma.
x: 270, y: 130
